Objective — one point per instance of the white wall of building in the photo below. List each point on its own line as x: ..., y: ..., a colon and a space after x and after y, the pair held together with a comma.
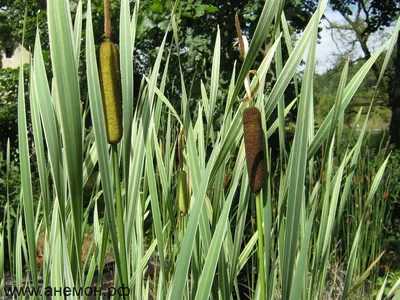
x: 15, y: 60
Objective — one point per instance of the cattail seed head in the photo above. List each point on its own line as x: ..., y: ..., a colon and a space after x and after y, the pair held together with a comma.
x: 110, y: 80
x: 183, y: 192
x: 254, y: 146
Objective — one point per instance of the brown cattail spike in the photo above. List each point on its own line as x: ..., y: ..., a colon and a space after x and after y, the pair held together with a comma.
x: 240, y: 37
x: 254, y: 146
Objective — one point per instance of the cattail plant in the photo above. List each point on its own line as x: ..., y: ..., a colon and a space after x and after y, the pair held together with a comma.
x: 110, y: 81
x: 254, y: 146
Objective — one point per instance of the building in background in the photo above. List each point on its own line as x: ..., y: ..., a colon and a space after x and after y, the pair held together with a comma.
x: 12, y: 58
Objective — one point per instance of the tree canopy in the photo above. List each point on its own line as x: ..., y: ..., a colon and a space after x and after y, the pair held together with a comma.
x: 197, y: 24
x: 377, y: 13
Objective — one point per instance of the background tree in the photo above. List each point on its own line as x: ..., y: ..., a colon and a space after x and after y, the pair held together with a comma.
x: 198, y: 22
x: 395, y: 99
x: 364, y: 17
x: 12, y: 18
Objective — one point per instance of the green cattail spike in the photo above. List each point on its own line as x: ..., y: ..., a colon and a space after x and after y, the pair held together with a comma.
x: 254, y: 146
x: 183, y: 192
x: 180, y: 147
x: 110, y: 80
x: 183, y: 180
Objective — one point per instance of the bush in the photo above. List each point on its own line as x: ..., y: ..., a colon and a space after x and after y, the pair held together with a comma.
x: 9, y: 183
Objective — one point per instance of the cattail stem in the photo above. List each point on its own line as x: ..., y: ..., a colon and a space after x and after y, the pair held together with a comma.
x: 261, y: 274
x: 120, y: 218
x: 180, y: 148
x: 107, y: 19
x: 240, y: 37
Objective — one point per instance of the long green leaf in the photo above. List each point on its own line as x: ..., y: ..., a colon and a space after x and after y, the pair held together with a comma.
x: 26, y: 176
x: 69, y: 103
x: 297, y: 168
x: 126, y: 55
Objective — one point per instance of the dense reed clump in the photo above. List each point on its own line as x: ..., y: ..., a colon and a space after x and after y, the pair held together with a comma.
x: 254, y: 145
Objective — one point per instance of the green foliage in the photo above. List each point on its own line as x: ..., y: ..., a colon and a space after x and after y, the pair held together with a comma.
x: 392, y: 196
x: 9, y: 79
x: 8, y: 124
x: 11, y: 21
x: 8, y: 107
x: 8, y: 179
x: 197, y: 27
x: 389, y: 281
x: 326, y: 86
x: 394, y: 170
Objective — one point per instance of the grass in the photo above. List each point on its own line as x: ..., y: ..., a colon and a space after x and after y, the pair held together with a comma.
x: 315, y: 215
